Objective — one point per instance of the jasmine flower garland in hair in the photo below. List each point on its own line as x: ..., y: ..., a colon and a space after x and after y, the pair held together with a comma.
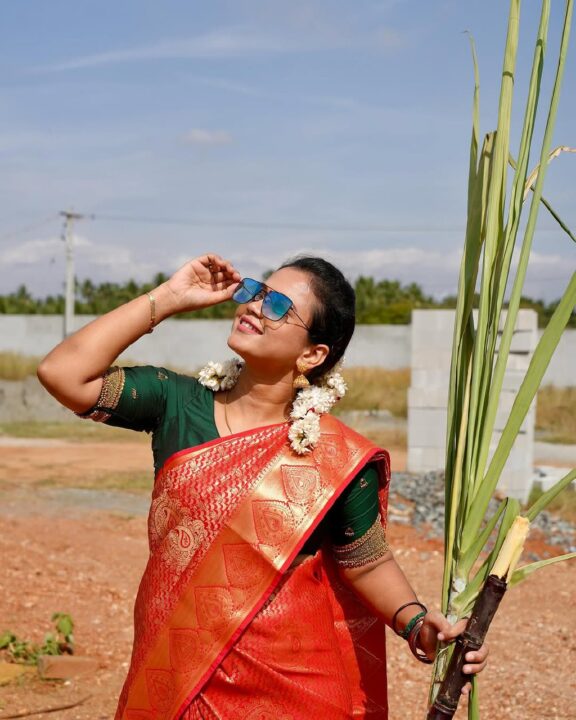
x: 309, y: 404
x: 220, y: 376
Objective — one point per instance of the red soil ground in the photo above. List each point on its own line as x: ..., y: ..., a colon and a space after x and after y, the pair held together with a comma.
x: 89, y: 564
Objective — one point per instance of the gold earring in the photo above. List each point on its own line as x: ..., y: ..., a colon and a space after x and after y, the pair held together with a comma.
x: 301, y: 381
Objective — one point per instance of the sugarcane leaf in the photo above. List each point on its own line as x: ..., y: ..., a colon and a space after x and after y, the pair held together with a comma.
x: 547, y: 497
x: 472, y: 553
x: 465, y: 600
x: 502, y: 266
x: 473, y: 700
x: 495, y: 201
x: 557, y: 218
x: 545, y: 202
x: 523, y: 572
x: 551, y: 155
x: 505, y: 445
x: 538, y: 364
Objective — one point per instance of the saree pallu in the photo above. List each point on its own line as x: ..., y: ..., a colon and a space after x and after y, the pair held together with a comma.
x: 225, y: 626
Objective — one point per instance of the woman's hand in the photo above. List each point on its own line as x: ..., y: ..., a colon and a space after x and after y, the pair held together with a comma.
x: 204, y: 281
x: 437, y: 628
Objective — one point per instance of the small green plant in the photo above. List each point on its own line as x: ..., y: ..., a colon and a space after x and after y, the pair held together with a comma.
x: 25, y: 652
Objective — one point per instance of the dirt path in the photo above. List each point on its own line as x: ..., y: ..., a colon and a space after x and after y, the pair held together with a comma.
x: 88, y: 563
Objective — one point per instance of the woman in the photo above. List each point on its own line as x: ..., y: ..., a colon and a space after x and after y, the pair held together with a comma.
x: 269, y: 580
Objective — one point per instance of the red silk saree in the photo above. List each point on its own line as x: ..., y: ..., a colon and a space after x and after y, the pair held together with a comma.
x: 226, y: 626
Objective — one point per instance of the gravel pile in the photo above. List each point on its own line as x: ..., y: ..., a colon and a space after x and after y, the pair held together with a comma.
x: 419, y: 500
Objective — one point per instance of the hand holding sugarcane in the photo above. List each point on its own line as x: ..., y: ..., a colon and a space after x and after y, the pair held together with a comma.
x: 437, y: 628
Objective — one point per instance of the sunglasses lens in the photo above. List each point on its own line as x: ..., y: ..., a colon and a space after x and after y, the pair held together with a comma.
x: 247, y: 290
x: 276, y: 305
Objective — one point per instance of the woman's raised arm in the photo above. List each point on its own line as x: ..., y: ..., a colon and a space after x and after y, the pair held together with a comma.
x: 73, y: 371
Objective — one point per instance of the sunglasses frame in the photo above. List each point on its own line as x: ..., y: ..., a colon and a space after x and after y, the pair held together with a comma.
x: 265, y: 291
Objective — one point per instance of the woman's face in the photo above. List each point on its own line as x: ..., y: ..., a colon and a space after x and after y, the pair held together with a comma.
x: 275, y: 345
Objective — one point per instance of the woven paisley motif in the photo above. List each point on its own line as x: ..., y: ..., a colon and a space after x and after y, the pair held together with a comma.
x: 333, y: 452
x: 273, y: 521
x: 183, y: 541
x: 214, y: 608
x: 245, y: 567
x: 300, y: 483
x: 178, y: 535
x: 160, y: 684
x: 186, y: 649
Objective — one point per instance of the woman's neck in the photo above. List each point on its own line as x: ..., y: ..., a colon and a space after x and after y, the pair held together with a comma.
x: 259, y: 400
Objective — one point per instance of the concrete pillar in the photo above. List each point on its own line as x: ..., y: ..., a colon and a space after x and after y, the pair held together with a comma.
x: 428, y: 396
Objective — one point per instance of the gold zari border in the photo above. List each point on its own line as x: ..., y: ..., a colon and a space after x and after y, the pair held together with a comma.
x: 371, y: 546
x: 112, y: 386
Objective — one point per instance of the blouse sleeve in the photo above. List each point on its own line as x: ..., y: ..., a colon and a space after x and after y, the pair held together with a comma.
x: 132, y: 397
x: 356, y: 530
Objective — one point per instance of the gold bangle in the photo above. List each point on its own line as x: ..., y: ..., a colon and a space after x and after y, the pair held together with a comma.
x: 152, y: 311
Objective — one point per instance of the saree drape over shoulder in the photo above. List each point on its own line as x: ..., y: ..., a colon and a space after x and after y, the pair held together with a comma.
x: 227, y: 626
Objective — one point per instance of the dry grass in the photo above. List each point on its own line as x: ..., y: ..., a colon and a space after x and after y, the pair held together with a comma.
x: 556, y: 413
x: 372, y: 388
x: 388, y: 438
x: 369, y: 388
x: 14, y: 366
x: 563, y: 505
x: 132, y: 481
x: 80, y: 431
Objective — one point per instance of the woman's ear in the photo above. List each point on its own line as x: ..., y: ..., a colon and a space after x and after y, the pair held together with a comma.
x: 314, y: 356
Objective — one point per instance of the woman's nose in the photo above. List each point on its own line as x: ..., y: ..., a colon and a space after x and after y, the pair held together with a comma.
x: 255, y: 304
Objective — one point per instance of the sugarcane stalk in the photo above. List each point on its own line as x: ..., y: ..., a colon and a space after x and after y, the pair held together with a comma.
x: 483, y: 612
x: 472, y: 638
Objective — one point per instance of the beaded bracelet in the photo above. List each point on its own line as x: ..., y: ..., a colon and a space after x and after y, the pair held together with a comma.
x: 402, y: 607
x: 407, y: 630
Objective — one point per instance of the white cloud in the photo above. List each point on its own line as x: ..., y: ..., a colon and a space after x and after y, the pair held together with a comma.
x: 241, y: 41
x: 224, y: 43
x: 434, y: 270
x: 33, y: 252
x: 199, y: 136
x: 119, y: 263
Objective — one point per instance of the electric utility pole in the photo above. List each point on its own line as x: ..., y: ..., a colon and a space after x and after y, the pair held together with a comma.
x: 68, y: 238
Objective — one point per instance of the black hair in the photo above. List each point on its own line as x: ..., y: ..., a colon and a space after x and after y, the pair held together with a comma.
x: 334, y: 312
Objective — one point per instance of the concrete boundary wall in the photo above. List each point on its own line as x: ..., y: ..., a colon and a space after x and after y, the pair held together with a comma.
x: 188, y: 344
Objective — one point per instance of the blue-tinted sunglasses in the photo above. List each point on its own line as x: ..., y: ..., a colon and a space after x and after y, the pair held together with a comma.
x: 275, y: 305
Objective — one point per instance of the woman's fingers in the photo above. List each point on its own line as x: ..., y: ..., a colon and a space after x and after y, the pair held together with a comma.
x: 217, y: 265
x: 450, y: 632
x: 476, y: 661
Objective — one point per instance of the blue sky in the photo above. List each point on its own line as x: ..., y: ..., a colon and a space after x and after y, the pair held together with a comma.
x: 257, y: 129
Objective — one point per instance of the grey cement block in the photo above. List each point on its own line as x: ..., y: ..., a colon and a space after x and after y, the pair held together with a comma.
x: 427, y: 427
x: 428, y: 397
x: 421, y: 460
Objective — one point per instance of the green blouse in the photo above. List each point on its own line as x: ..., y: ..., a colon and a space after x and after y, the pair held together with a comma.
x: 179, y: 412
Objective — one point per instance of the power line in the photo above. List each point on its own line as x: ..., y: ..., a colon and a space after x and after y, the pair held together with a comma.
x: 269, y: 225
x: 258, y: 225
x: 28, y: 228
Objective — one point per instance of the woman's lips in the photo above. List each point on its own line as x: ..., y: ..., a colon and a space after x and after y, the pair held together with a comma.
x: 246, y: 325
